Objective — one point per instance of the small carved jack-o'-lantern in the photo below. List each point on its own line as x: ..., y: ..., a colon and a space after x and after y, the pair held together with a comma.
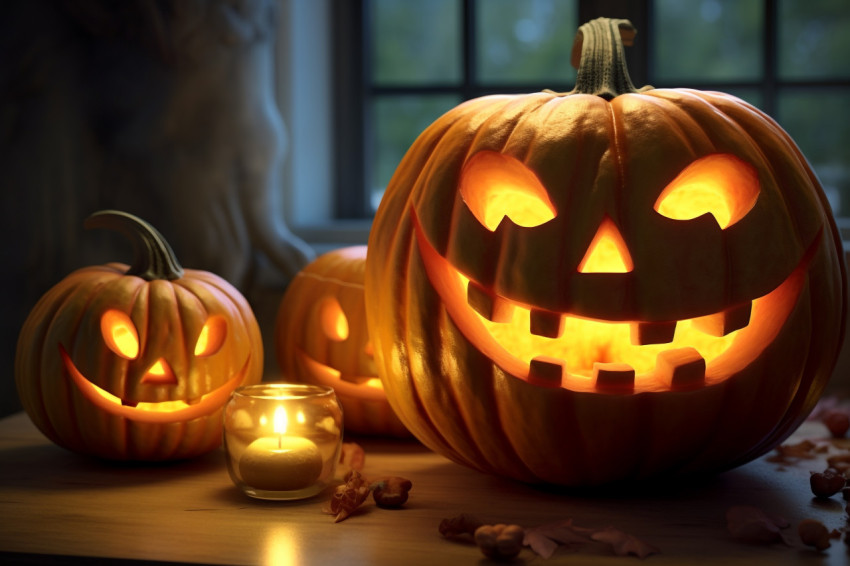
x: 136, y: 363
x: 321, y: 338
x: 606, y: 284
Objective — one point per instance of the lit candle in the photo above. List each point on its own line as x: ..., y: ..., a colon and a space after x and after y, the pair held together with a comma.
x: 282, y: 462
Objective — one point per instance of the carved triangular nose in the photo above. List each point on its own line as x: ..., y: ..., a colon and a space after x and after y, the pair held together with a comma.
x: 607, y: 252
x: 159, y: 373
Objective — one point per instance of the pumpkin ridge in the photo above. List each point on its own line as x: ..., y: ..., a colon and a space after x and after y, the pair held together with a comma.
x: 435, y: 434
x: 745, y: 131
x: 47, y: 311
x: 496, y: 426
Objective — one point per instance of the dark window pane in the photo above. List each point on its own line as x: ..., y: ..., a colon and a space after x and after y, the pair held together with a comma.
x: 752, y: 95
x: 814, y: 39
x: 525, y: 41
x: 398, y: 121
x: 812, y: 117
x: 416, y: 42
x: 707, y: 40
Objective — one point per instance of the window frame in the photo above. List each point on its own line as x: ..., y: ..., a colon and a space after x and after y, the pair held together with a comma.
x: 324, y: 94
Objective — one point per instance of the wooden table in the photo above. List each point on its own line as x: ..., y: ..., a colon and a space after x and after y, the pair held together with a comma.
x: 56, y: 507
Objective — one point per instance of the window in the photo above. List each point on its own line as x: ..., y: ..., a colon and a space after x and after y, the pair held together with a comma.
x: 421, y: 58
x: 396, y: 65
x: 788, y: 57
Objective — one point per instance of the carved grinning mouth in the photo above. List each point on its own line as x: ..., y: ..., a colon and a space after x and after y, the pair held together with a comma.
x: 328, y: 375
x: 559, y: 350
x: 155, y: 412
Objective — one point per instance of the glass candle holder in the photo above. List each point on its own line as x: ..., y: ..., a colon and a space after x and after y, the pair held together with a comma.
x: 282, y: 440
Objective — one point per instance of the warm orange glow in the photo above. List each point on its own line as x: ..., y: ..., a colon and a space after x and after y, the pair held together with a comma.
x: 153, y: 412
x: 607, y: 252
x: 332, y: 319
x: 119, y: 333
x: 212, y: 336
x: 585, y: 342
x: 687, y: 358
x: 360, y: 386
x: 495, y: 185
x: 159, y: 373
x: 720, y: 184
x: 280, y: 420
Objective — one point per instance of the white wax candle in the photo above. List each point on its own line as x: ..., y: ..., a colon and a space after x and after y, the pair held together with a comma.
x: 281, y: 463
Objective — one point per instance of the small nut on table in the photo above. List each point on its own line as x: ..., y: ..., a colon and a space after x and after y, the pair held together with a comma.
x: 499, y: 542
x: 826, y: 483
x: 813, y: 533
x: 391, y: 492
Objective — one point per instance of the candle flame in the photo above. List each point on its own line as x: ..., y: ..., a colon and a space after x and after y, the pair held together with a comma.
x: 280, y: 420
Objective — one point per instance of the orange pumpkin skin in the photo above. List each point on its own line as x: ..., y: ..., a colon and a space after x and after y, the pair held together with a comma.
x: 63, y: 361
x: 603, y: 161
x: 312, y: 348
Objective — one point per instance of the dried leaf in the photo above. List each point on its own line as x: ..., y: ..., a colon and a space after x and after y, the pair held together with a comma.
x: 624, y: 544
x: 545, y: 539
x: 348, y: 497
x: 803, y: 450
x: 351, y: 457
x: 752, y: 525
x: 540, y: 543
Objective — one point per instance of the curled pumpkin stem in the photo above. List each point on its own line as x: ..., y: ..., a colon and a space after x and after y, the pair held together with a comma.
x: 153, y: 257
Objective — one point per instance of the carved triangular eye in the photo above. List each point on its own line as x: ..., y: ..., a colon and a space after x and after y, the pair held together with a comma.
x: 120, y: 334
x: 719, y: 184
x: 495, y: 186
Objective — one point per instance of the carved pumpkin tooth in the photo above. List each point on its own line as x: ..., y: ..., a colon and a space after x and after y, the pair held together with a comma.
x: 723, y: 323
x: 546, y: 371
x: 546, y: 323
x: 613, y: 376
x: 643, y: 333
x: 129, y: 403
x: 193, y: 401
x: 488, y: 304
x: 681, y: 368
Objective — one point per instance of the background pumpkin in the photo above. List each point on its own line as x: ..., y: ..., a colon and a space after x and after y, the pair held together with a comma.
x: 600, y: 237
x: 322, y: 338
x: 136, y: 363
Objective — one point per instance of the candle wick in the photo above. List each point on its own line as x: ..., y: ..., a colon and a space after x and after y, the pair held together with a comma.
x: 279, y: 441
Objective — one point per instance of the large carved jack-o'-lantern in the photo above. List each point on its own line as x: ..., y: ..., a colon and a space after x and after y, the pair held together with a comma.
x: 321, y: 338
x: 606, y: 284
x: 136, y: 363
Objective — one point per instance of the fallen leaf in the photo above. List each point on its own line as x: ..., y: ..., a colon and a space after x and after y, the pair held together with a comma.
x: 545, y: 539
x: 752, y: 525
x: 351, y: 457
x: 347, y: 497
x: 803, y: 450
x: 624, y: 544
x: 540, y: 543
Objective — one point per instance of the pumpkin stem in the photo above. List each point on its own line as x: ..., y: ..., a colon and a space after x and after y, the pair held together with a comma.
x: 153, y: 258
x: 599, y: 56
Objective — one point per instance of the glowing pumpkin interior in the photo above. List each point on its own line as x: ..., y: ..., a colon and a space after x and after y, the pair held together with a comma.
x: 122, y: 338
x: 333, y: 323
x: 559, y: 349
